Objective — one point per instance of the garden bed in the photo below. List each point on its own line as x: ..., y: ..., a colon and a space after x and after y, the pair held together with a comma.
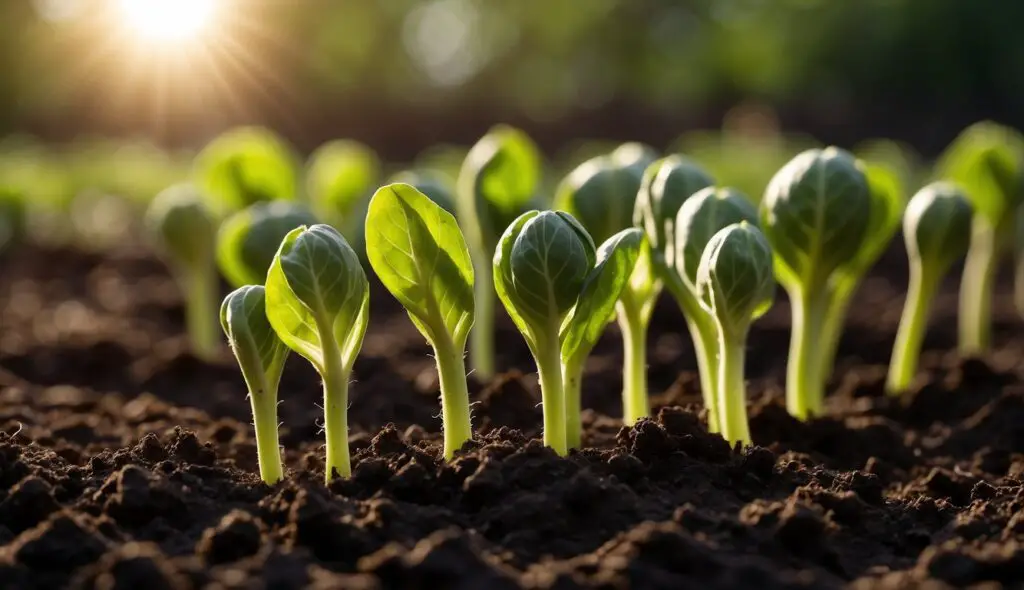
x: 127, y: 463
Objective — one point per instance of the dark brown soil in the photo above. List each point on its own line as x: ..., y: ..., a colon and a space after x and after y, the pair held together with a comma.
x: 126, y: 463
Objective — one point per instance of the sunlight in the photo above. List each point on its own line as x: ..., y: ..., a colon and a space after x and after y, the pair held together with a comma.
x: 167, y: 20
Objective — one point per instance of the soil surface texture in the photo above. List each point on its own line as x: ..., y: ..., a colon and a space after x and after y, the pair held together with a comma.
x: 127, y: 463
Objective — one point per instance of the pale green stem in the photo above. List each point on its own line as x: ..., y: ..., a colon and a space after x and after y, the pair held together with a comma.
x: 704, y: 335
x: 632, y: 324
x: 976, y: 286
x: 549, y: 369
x: 913, y: 324
x: 732, y: 389
x: 202, y: 312
x: 572, y: 380
x: 481, y: 337
x: 268, y: 447
x: 805, y: 387
x: 455, y: 414
x: 335, y: 408
x: 840, y: 299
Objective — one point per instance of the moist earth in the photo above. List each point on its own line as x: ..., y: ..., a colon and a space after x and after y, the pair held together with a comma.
x: 127, y: 463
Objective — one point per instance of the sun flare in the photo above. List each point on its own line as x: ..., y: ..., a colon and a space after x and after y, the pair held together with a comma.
x: 167, y: 20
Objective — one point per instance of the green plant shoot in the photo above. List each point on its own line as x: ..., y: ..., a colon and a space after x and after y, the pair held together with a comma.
x: 249, y: 239
x: 246, y: 165
x: 497, y: 183
x: 702, y: 217
x: 420, y: 255
x: 601, y: 193
x: 261, y: 356
x: 815, y: 213
x: 318, y: 303
x: 184, y: 232
x: 736, y: 285
x: 542, y: 265
x: 987, y: 161
x: 666, y: 184
x: 937, y: 229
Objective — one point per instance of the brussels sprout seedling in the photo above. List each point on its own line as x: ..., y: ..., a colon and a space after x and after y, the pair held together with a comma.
x: 815, y: 213
x: 665, y: 186
x: 431, y: 184
x: 184, y: 230
x: 937, y: 229
x: 736, y: 286
x: 987, y: 160
x: 887, y: 203
x: 245, y: 166
x: 496, y: 184
x: 261, y: 356
x: 318, y: 303
x: 420, y: 255
x: 249, y: 239
x: 601, y: 194
x: 700, y: 218
x: 542, y: 266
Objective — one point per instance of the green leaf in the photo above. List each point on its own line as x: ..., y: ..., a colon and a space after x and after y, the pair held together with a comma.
x: 701, y: 217
x: 504, y: 282
x: 433, y: 185
x: 616, y: 259
x: 339, y: 175
x: 601, y: 194
x: 260, y: 353
x: 317, y: 289
x: 987, y: 160
x: 245, y: 166
x: 887, y: 203
x: 248, y: 240
x: 420, y: 255
x: 182, y: 225
x: 735, y: 281
x: 666, y: 185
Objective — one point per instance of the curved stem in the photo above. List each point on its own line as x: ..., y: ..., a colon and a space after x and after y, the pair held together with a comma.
x: 704, y: 335
x: 549, y: 369
x: 907, y: 350
x: 840, y: 298
x: 732, y: 388
x: 455, y: 414
x: 979, y: 276
x: 805, y: 387
x: 268, y: 446
x: 335, y: 408
x: 632, y: 324
x: 572, y: 381
x: 202, y: 312
x: 481, y: 337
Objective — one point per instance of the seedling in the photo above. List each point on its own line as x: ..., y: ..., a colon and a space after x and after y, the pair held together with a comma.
x: 987, y: 160
x: 937, y: 229
x: 245, y: 166
x: 420, y: 255
x: 184, y: 231
x: 545, y: 275
x: 700, y: 218
x: 340, y: 177
x: 887, y: 203
x: 601, y: 194
x: 815, y: 213
x: 736, y: 286
x: 496, y: 184
x: 248, y: 240
x: 666, y: 184
x: 318, y: 303
x: 261, y: 356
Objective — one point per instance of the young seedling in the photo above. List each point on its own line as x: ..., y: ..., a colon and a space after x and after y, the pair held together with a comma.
x: 887, y: 203
x: 184, y: 231
x: 248, y: 240
x: 601, y: 194
x: 542, y: 266
x: 420, y: 255
x: 666, y: 184
x: 245, y: 166
x: 700, y: 218
x: 937, y: 229
x: 261, y: 356
x: 736, y: 285
x: 431, y: 184
x: 497, y: 183
x: 987, y: 160
x: 318, y: 303
x: 815, y: 213
x: 340, y: 177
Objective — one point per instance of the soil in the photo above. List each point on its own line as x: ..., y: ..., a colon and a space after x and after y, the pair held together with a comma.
x: 127, y: 463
